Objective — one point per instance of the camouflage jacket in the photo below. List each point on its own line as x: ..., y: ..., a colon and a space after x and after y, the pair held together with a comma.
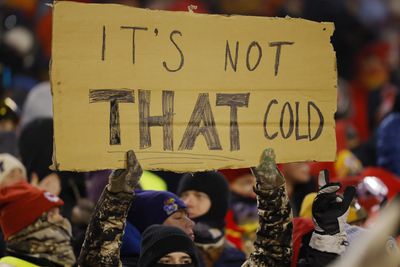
x: 103, y: 237
x: 273, y: 245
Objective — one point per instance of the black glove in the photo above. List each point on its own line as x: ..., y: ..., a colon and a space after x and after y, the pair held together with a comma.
x: 330, y: 211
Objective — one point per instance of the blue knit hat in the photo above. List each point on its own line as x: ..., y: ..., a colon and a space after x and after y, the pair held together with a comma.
x: 153, y: 207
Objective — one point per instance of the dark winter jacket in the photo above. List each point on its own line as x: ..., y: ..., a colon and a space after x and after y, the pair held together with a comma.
x: 388, y: 145
x: 230, y: 257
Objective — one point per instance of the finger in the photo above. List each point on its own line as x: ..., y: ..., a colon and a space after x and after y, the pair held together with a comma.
x: 348, y: 197
x: 329, y: 188
x: 134, y: 168
x: 269, y: 153
x: 323, y: 178
x: 267, y: 156
x: 131, y: 159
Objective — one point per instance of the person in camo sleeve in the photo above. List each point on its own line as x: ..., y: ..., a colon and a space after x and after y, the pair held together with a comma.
x: 273, y: 245
x: 103, y: 238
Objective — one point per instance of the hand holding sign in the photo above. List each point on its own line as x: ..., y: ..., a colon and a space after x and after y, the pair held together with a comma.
x: 126, y: 180
x: 267, y: 174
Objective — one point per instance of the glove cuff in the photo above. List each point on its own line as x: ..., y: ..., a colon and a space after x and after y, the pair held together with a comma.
x: 329, y: 243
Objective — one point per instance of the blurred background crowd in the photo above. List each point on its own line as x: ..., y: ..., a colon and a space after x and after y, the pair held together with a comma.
x: 367, y: 45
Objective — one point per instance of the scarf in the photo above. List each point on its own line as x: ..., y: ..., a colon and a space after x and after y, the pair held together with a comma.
x: 44, y: 239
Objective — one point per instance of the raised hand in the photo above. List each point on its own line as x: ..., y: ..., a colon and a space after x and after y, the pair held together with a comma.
x: 126, y: 180
x: 330, y: 212
x: 330, y: 209
x: 267, y: 174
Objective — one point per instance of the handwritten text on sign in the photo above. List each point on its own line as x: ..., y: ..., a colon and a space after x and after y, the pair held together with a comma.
x: 189, y: 91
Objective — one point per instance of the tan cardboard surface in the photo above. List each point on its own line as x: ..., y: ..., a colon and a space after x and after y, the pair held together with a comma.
x: 171, y: 86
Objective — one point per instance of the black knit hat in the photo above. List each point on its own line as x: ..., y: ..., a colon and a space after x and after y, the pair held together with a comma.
x: 160, y: 240
x: 214, y: 185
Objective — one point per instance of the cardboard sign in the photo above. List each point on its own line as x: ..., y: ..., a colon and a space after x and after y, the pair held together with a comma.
x: 186, y: 91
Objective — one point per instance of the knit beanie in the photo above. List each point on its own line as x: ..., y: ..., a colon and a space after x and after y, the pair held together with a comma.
x: 153, y: 207
x: 159, y: 240
x: 9, y: 163
x: 21, y: 204
x: 214, y: 185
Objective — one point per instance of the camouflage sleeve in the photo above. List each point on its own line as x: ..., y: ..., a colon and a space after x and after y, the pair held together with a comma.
x: 104, y: 234
x: 273, y: 245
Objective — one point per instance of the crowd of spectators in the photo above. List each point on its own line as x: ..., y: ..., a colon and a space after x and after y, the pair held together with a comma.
x: 221, y: 210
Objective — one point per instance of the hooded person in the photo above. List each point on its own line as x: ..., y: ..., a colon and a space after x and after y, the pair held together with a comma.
x: 206, y: 195
x: 34, y: 231
x: 149, y: 208
x: 166, y: 246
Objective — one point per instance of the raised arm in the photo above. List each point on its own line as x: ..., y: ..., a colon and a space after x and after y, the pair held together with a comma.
x: 273, y: 244
x: 104, y: 234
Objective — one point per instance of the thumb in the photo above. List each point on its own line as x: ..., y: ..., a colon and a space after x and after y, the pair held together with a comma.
x: 130, y: 159
x: 323, y: 178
